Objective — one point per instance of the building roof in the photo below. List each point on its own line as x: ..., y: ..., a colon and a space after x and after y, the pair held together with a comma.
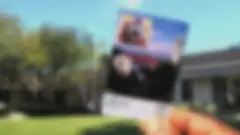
x: 218, y: 63
x: 216, y: 56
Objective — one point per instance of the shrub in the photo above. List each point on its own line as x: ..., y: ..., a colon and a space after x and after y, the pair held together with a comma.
x: 182, y: 106
x: 118, y: 128
x: 211, y: 108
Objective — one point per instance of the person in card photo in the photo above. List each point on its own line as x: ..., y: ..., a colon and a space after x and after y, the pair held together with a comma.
x: 132, y: 32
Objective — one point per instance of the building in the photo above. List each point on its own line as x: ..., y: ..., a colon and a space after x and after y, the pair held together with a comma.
x: 212, y: 77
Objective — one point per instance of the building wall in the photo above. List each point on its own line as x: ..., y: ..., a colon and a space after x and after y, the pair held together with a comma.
x: 218, y: 90
x: 178, y: 92
x: 202, y: 91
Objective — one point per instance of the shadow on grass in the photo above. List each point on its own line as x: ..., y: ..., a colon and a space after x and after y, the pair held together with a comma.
x: 119, y: 128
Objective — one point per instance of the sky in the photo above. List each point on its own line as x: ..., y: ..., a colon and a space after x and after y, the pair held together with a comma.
x: 214, y: 24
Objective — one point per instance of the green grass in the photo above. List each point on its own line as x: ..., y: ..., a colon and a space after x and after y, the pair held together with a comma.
x: 74, y: 125
x: 67, y: 126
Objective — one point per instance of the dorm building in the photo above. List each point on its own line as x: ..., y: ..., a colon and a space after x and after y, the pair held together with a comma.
x: 210, y: 78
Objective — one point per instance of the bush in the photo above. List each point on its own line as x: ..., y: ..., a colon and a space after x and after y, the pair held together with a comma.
x: 182, y: 106
x: 3, y: 108
x: 211, y: 108
x: 118, y: 128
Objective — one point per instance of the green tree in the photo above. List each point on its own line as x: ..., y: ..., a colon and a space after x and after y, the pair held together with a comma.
x: 34, y: 55
x: 10, y: 40
x: 61, y: 44
x: 10, y: 57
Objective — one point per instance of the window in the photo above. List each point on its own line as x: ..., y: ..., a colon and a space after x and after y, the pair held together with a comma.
x: 236, y: 83
x: 236, y: 90
x: 27, y: 96
x: 4, y: 95
x: 186, y: 90
x: 221, y: 94
x: 59, y: 98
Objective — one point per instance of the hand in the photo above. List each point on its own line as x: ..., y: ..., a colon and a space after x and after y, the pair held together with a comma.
x: 189, y: 123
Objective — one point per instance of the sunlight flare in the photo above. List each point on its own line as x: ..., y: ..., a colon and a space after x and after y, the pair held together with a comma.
x: 132, y: 3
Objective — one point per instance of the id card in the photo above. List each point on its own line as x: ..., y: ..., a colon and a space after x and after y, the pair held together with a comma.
x: 131, y: 107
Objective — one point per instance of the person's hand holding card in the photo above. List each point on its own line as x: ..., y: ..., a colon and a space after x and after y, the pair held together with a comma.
x: 187, y: 123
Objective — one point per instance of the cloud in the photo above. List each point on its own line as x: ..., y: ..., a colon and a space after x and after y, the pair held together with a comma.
x: 134, y: 4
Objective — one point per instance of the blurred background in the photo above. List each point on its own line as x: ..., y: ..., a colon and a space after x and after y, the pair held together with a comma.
x: 52, y: 55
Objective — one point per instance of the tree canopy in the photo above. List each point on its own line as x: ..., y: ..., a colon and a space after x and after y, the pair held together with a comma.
x: 49, y: 49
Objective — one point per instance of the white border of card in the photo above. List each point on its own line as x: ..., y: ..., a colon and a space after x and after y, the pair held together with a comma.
x: 131, y: 107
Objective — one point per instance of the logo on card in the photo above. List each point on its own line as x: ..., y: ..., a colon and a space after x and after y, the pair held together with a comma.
x: 115, y: 102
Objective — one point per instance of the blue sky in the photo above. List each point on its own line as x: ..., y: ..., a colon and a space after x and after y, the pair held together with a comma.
x: 214, y: 24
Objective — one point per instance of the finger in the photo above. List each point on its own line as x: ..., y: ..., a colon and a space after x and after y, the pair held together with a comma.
x: 158, y: 126
x: 180, y: 119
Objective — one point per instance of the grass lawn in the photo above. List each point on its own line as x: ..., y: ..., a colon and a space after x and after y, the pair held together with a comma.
x: 67, y: 126
x: 72, y: 125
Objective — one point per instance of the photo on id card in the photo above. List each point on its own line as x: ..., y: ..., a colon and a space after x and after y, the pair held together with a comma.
x: 149, y: 38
